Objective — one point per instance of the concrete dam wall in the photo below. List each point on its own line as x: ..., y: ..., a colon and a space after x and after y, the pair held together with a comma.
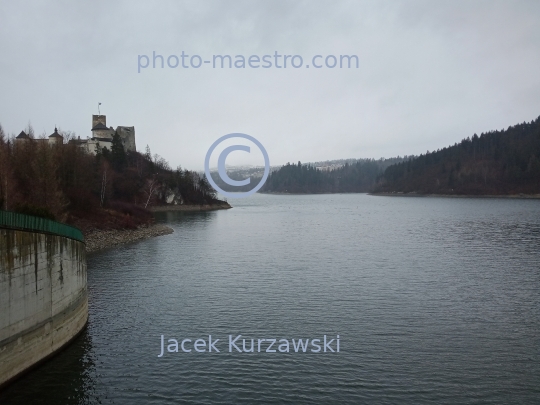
x: 43, y: 295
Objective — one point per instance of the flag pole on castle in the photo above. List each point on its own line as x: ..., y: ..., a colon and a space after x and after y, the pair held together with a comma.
x: 99, y: 113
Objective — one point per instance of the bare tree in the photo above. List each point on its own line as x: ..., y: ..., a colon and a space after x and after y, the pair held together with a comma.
x: 161, y: 163
x: 43, y: 179
x: 139, y: 166
x: 5, y: 171
x: 30, y: 130
x: 103, y: 187
x: 106, y: 181
x: 67, y: 135
x: 150, y: 189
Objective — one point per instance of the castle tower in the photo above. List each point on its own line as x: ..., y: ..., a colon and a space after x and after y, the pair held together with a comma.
x: 127, y: 134
x: 104, y: 135
x: 55, y: 138
x: 97, y: 119
x: 99, y: 127
x: 22, y: 137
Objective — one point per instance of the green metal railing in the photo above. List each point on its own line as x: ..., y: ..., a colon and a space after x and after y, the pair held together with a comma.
x: 13, y: 220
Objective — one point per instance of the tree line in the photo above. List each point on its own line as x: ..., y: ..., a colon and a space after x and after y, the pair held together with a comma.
x: 357, y: 177
x: 496, y: 162
x: 113, y: 188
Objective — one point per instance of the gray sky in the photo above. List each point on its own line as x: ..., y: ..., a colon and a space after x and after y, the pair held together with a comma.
x: 431, y: 73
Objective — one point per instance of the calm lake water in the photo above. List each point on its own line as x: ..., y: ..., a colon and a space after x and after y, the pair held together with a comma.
x: 435, y: 300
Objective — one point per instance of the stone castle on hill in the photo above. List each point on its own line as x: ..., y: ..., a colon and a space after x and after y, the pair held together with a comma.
x: 102, y: 137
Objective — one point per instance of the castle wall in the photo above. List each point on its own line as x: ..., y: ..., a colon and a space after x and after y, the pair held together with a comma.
x: 43, y: 297
x: 92, y: 145
x: 102, y: 133
x: 127, y: 134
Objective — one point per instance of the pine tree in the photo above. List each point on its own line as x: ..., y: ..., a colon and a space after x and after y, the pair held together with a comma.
x: 118, y: 154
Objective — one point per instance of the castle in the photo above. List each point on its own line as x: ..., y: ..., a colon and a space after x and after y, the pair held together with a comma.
x: 101, y: 137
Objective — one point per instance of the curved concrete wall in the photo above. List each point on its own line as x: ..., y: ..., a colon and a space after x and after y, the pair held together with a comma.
x: 43, y: 297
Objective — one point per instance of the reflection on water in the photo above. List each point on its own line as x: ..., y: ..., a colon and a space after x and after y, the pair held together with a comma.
x: 68, y: 378
x: 435, y: 300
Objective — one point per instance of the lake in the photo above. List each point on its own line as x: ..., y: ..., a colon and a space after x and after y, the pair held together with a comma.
x: 435, y: 300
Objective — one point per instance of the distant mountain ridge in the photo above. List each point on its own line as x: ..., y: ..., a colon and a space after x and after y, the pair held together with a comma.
x: 502, y: 162
x: 330, y: 176
x: 336, y: 177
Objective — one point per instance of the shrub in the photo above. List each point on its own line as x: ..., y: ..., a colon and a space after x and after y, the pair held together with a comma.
x: 28, y: 209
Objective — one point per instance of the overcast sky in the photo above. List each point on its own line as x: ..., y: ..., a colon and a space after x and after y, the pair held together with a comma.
x: 430, y: 73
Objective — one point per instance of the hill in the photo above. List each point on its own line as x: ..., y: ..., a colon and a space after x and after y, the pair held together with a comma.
x: 495, y: 163
x: 110, y: 190
x: 329, y: 177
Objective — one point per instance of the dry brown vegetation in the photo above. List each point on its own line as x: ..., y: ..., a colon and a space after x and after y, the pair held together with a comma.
x: 110, y: 190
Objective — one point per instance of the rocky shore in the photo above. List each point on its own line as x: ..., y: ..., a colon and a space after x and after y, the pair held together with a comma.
x: 103, y: 239
x: 98, y: 240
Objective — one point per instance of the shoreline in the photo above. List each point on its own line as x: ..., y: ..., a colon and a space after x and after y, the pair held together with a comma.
x: 104, y: 239
x: 322, y: 193
x: 513, y: 196
x: 183, y: 207
x: 99, y: 240
x: 401, y: 194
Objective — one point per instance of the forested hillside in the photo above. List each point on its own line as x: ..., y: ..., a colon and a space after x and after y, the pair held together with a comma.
x: 350, y: 178
x: 112, y: 189
x: 494, y: 163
